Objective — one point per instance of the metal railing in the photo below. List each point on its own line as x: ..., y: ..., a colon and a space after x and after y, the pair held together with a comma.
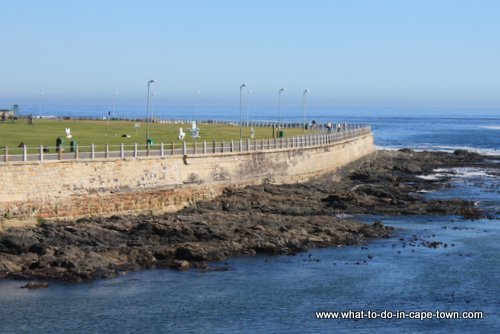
x: 122, y: 151
x: 256, y: 123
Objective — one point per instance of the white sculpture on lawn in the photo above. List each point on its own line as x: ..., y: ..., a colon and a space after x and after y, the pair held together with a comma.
x: 68, y: 133
x: 181, y: 134
x: 194, y: 131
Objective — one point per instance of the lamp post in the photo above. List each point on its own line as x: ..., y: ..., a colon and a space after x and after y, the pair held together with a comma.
x: 248, y: 103
x: 305, y: 107
x: 148, y: 139
x: 241, y: 112
x: 151, y: 106
x: 196, y: 95
x: 279, y: 102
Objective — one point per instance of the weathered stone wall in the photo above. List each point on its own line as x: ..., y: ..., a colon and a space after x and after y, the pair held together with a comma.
x: 77, y: 188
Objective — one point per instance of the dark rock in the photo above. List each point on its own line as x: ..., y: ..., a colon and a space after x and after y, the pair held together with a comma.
x: 35, y: 285
x: 413, y: 168
x: 461, y: 152
x: 38, y: 249
x: 335, y: 201
x: 360, y: 175
x: 190, y: 254
x: 470, y: 213
x: 181, y: 265
x: 269, y: 218
x: 433, y: 244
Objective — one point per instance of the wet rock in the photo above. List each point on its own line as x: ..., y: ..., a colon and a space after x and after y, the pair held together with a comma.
x: 35, y: 285
x: 335, y: 201
x: 267, y: 248
x: 360, y: 175
x: 409, y: 167
x: 471, y: 213
x: 314, y: 239
x: 466, y: 154
x: 268, y: 218
x: 38, y: 249
x: 433, y: 244
x: 181, y: 265
x: 190, y: 254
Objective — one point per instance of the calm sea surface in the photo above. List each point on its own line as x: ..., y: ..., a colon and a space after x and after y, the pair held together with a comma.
x: 441, y: 129
x: 281, y: 294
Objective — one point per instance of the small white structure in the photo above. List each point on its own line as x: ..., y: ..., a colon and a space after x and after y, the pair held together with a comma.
x: 252, y: 133
x: 181, y: 134
x: 194, y: 131
x: 68, y: 133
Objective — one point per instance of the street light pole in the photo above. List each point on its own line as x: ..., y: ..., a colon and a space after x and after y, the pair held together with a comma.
x: 147, y: 111
x: 279, y: 102
x: 241, y: 112
x: 305, y: 107
x: 151, y: 106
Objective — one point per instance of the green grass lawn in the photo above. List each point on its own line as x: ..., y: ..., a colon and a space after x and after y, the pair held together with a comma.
x: 45, y: 132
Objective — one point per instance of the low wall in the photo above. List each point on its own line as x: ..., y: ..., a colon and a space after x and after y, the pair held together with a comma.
x: 63, y: 189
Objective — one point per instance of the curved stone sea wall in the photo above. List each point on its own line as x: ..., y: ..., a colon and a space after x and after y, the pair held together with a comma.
x: 74, y: 188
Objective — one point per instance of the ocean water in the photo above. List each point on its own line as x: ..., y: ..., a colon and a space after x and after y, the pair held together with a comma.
x: 420, y: 128
x: 282, y: 294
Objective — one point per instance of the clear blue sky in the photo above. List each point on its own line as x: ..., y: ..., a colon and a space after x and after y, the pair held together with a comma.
x: 348, y: 52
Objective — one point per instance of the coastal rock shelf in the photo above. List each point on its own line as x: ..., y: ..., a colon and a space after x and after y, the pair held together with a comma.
x: 261, y: 219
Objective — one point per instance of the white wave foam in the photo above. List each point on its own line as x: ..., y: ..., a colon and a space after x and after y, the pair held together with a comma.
x: 424, y: 191
x: 457, y: 172
x: 463, y: 172
x: 387, y: 148
x: 466, y: 172
x: 440, y: 148
x: 491, y: 127
x: 431, y: 177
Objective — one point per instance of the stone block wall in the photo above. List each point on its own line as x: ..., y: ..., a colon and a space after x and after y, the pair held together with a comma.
x: 63, y: 189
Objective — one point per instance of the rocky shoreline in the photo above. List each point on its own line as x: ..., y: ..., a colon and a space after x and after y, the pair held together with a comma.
x: 263, y: 219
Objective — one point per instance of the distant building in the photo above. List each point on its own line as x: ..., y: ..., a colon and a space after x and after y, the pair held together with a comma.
x: 10, y: 112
